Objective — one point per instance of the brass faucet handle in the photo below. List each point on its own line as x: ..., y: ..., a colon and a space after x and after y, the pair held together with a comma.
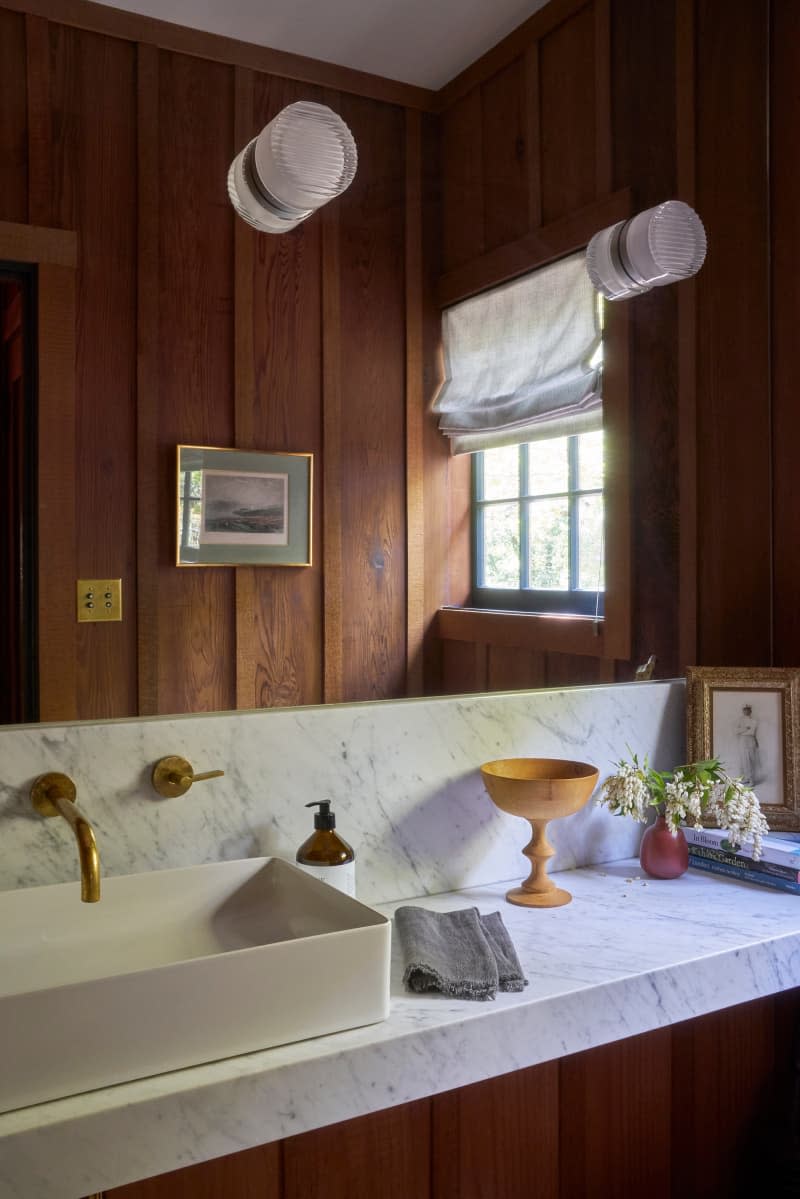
x: 49, y: 787
x: 174, y: 776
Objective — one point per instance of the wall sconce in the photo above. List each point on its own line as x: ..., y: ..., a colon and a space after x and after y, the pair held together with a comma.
x: 662, y: 245
x: 303, y: 158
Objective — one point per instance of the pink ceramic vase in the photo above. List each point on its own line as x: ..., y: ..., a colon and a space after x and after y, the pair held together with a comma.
x: 661, y: 855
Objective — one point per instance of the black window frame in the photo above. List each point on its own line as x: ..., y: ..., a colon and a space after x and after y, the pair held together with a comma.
x: 574, y: 601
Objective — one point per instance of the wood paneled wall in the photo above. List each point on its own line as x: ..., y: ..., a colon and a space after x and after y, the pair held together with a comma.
x: 700, y: 104
x: 576, y: 104
x: 701, y: 1109
x: 747, y: 180
x: 193, y: 328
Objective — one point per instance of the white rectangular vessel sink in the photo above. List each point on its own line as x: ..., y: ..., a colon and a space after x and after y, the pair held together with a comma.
x: 178, y: 967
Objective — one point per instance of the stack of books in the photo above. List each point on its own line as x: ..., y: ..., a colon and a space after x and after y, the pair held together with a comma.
x: 778, y: 866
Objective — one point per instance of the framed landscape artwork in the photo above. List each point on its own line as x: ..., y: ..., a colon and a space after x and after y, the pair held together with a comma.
x: 748, y: 718
x: 243, y: 507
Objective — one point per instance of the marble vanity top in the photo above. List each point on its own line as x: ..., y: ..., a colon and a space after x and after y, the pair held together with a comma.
x: 627, y: 955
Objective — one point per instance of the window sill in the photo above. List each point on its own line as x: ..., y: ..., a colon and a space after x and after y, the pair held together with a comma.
x: 548, y: 632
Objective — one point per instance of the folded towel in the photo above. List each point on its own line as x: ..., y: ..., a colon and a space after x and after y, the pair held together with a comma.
x: 509, y: 971
x: 460, y: 953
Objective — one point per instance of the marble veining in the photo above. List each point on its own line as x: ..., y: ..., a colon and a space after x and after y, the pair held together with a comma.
x: 627, y: 955
x: 403, y: 777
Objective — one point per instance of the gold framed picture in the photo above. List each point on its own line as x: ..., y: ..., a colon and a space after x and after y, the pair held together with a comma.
x: 748, y: 718
x: 243, y: 507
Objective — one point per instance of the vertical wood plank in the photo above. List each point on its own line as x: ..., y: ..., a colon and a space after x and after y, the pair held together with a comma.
x: 643, y: 69
x: 687, y: 344
x: 462, y: 181
x: 617, y: 1100
x: 568, y: 100
x: 436, y: 452
x: 13, y: 119
x: 603, y: 147
x: 733, y: 368
x: 196, y: 658
x: 505, y: 155
x: 250, y: 1174
x: 372, y: 216
x: 512, y: 669
x: 40, y: 181
x: 465, y: 667
x: 533, y: 136
x: 386, y: 1153
x: 618, y: 453
x: 722, y: 1072
x: 415, y: 464
x: 94, y: 191
x: 278, y: 407
x: 498, y: 1138
x: 148, y: 488
x: 58, y: 667
x: 577, y: 670
x: 244, y: 394
x: 333, y: 663
x: 459, y: 561
x: 784, y: 156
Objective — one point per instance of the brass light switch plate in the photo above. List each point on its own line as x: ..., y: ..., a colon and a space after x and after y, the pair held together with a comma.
x: 99, y: 599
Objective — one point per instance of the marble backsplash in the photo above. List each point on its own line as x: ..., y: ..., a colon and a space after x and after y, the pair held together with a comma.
x: 403, y: 777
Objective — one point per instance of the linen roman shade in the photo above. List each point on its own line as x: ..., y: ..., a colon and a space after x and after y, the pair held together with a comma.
x: 518, y: 361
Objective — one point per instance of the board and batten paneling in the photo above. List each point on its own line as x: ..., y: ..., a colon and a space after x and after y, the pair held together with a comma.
x: 526, y: 141
x: 13, y: 118
x: 278, y: 404
x: 734, y: 434
x: 701, y: 1108
x: 93, y: 180
x: 699, y: 105
x: 371, y: 449
x: 192, y: 328
x: 785, y: 308
x: 196, y: 647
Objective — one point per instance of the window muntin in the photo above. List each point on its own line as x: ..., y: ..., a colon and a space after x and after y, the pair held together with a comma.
x: 538, y: 526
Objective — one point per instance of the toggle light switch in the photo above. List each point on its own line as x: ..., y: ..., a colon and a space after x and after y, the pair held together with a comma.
x: 99, y: 599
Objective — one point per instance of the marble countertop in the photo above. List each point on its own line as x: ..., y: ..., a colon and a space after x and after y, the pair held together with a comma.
x: 628, y: 955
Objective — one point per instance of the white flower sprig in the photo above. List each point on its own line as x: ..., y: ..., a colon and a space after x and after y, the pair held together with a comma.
x: 688, y: 795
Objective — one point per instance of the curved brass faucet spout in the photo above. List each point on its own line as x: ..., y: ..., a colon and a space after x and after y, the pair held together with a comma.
x: 54, y: 795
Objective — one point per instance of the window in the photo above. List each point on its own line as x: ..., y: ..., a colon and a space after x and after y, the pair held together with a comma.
x: 537, y: 517
x: 535, y: 396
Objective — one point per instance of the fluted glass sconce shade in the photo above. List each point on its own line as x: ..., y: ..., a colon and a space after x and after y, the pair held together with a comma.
x: 662, y: 245
x: 303, y: 158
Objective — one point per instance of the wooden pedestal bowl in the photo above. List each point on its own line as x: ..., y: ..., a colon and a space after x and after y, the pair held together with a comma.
x: 539, y: 790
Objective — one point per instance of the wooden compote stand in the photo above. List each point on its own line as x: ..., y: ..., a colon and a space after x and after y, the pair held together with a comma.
x: 539, y: 790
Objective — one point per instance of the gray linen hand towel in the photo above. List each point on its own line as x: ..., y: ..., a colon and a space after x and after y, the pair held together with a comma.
x: 509, y: 971
x: 461, y: 953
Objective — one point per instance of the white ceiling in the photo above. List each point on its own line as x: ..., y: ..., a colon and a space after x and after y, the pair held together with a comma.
x: 425, y: 42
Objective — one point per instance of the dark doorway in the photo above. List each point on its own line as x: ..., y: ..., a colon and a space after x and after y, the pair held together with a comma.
x: 19, y: 700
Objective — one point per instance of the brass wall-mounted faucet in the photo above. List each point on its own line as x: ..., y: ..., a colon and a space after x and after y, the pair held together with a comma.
x: 54, y: 795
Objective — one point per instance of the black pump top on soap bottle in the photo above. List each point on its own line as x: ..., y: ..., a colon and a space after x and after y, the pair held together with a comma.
x: 324, y: 847
x: 324, y: 818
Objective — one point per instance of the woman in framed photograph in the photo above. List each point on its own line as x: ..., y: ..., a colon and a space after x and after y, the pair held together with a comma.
x: 747, y: 742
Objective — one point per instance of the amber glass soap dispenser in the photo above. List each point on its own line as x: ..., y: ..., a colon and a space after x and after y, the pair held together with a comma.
x: 325, y: 854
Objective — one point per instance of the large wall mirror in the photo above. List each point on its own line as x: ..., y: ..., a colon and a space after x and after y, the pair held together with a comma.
x: 153, y: 319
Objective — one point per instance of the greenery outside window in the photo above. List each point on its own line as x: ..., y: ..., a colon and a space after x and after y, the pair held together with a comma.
x: 537, y: 522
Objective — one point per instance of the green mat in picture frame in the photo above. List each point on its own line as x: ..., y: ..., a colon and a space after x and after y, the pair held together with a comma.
x: 243, y: 507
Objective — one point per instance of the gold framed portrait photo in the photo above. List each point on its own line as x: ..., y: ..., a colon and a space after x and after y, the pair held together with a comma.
x: 747, y: 717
